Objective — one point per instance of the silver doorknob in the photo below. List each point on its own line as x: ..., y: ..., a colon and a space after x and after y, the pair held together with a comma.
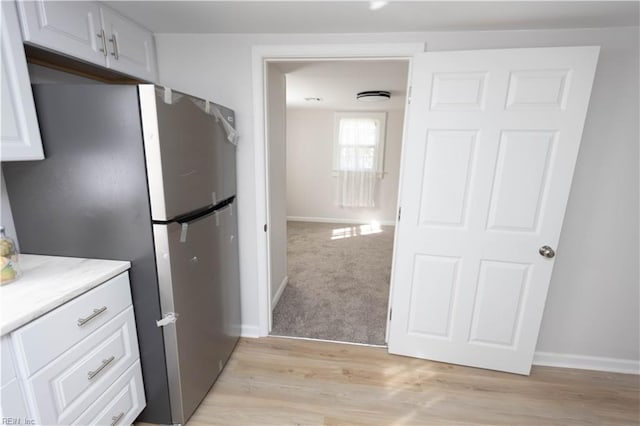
x: 546, y: 251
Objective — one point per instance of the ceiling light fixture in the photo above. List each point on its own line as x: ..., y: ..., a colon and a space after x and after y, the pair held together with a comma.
x: 375, y: 5
x: 373, y: 96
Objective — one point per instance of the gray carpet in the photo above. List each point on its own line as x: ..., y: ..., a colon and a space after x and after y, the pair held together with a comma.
x: 338, y: 283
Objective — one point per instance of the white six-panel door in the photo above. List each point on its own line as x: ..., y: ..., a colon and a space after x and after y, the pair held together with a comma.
x: 488, y: 157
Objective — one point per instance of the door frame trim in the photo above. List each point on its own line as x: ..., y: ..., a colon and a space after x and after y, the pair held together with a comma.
x: 260, y: 55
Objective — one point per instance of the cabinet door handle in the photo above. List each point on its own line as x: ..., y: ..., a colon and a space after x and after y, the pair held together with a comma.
x: 103, y: 38
x: 114, y: 41
x: 116, y: 419
x: 105, y: 362
x: 96, y: 312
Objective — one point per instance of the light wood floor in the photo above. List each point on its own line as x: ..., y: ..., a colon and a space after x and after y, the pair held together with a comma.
x: 279, y: 381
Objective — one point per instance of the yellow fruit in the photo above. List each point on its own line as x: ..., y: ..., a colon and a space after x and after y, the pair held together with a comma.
x: 8, y: 274
x: 6, y: 248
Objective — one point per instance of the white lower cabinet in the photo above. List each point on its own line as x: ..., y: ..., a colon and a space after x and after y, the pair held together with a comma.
x: 120, y: 404
x: 12, y: 402
x: 64, y: 327
x: 91, y: 375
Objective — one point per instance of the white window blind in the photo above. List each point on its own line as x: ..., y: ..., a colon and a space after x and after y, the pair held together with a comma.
x: 358, y: 157
x: 359, y: 142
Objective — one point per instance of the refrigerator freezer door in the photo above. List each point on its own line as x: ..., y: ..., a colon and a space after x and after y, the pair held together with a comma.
x: 197, y: 344
x: 187, y: 152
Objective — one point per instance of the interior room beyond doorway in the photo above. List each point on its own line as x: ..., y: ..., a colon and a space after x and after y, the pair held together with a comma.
x: 333, y: 210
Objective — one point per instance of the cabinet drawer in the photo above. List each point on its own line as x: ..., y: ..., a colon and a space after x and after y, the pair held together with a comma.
x: 120, y: 404
x: 8, y: 372
x: 42, y: 340
x: 69, y: 385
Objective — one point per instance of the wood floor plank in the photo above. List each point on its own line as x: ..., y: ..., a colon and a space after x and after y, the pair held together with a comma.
x: 278, y: 381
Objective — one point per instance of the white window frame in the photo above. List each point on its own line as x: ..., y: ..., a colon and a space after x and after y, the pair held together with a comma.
x: 382, y: 134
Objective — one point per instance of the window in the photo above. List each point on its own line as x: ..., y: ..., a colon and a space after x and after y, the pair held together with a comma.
x: 359, y: 141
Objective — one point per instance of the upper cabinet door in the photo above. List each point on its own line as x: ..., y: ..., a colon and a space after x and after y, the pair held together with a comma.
x: 19, y: 132
x: 131, y: 47
x: 68, y: 27
x: 90, y: 32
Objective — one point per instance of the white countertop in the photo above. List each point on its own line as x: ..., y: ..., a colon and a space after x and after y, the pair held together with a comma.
x: 49, y: 281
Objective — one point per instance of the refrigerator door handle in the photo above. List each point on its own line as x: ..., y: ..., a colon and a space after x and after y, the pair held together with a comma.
x: 195, y: 216
x: 188, y: 217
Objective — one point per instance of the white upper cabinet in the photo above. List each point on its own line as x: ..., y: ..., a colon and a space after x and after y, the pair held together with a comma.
x: 131, y: 47
x: 19, y: 132
x: 72, y: 28
x: 91, y: 32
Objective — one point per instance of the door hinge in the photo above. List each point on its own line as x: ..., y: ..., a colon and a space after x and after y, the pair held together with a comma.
x: 265, y: 227
x: 399, y: 213
x: 390, y: 314
x: 168, y: 318
x: 409, y: 95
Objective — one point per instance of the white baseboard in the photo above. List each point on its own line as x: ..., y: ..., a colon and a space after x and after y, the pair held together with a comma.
x: 584, y: 362
x: 276, y: 297
x: 249, y: 331
x: 337, y: 220
x: 548, y: 359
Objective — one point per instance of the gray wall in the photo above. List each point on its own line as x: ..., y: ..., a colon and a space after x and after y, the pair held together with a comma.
x: 6, y: 218
x: 311, y: 186
x: 37, y: 74
x: 593, y: 305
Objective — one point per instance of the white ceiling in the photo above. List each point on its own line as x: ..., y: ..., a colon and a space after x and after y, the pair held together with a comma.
x: 337, y: 82
x: 356, y: 17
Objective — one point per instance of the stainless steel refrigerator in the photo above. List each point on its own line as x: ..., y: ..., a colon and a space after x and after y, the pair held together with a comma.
x: 143, y: 174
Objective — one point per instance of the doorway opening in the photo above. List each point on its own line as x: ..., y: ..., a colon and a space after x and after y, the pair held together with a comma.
x: 333, y: 166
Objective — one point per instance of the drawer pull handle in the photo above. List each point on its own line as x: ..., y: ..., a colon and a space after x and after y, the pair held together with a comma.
x: 105, y: 362
x: 116, y: 419
x: 96, y: 312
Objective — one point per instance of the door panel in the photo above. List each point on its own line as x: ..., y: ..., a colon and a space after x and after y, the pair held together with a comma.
x: 448, y: 157
x: 431, y: 304
x: 498, y: 302
x: 519, y: 188
x: 491, y: 144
